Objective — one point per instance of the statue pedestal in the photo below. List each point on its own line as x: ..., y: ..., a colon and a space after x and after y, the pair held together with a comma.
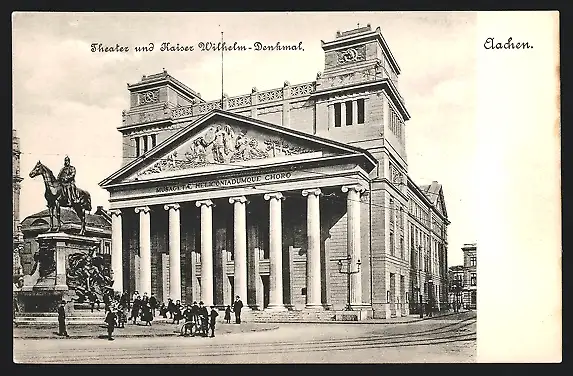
x: 47, y: 286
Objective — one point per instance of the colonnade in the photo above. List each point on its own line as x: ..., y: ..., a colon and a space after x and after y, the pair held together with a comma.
x: 275, y: 199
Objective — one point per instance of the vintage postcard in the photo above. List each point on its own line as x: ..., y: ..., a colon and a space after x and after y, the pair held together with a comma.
x: 298, y: 187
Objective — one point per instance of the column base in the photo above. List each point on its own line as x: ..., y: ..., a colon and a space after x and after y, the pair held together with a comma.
x: 276, y: 307
x: 360, y: 306
x: 315, y: 306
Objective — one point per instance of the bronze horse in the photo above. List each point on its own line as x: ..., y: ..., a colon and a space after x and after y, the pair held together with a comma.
x: 55, y: 198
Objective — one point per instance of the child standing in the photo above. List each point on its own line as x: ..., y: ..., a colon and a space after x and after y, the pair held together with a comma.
x: 228, y: 315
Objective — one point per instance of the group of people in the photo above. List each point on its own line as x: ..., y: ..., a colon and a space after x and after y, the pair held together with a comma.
x: 197, y: 317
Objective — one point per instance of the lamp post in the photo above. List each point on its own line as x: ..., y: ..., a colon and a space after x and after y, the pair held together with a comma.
x: 419, y: 292
x: 348, y: 271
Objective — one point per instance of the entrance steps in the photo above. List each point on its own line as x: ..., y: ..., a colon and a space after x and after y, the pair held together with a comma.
x: 79, y: 317
x: 290, y: 315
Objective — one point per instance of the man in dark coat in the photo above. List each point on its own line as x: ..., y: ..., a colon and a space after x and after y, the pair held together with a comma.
x: 170, y: 307
x: 62, y: 319
x: 204, y: 317
x: 135, y: 308
x: 153, y: 304
x: 237, y: 306
x: 124, y: 300
x: 188, y: 316
x: 213, y: 320
x: 110, y: 320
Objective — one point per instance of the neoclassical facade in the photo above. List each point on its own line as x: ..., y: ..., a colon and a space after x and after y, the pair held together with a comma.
x: 292, y: 198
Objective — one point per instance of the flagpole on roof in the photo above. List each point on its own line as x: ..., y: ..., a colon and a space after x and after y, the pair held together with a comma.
x: 222, y: 92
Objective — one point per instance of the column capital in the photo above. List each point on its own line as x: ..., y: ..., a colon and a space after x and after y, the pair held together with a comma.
x: 144, y: 209
x: 117, y: 212
x: 354, y: 187
x: 276, y: 195
x: 204, y: 203
x: 313, y: 191
x: 241, y: 199
x: 172, y: 206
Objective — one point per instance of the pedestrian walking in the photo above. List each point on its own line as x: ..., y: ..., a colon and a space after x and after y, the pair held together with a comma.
x: 195, y: 312
x: 177, y: 314
x: 135, y: 308
x: 213, y: 320
x: 121, y: 316
x: 62, y: 319
x: 163, y: 310
x: 153, y: 304
x: 107, y: 301
x: 124, y: 300
x: 170, y: 307
x: 110, y: 320
x: 237, y: 307
x: 188, y: 320
x: 204, y: 314
x: 228, y: 315
x: 146, y: 315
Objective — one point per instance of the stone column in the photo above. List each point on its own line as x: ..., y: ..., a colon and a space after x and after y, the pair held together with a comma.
x: 353, y: 239
x: 174, y: 251
x: 206, y: 251
x: 342, y: 114
x: 144, y: 250
x: 240, y: 246
x: 313, y: 267
x: 117, y: 250
x: 275, y: 254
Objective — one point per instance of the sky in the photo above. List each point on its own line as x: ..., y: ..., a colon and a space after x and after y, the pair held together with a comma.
x: 68, y: 100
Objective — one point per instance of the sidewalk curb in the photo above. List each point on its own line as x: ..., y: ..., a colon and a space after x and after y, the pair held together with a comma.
x: 367, y: 321
x: 99, y: 336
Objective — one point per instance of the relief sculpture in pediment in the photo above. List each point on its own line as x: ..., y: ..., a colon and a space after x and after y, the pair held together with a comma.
x: 221, y: 144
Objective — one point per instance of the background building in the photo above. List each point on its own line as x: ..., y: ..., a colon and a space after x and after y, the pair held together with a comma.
x: 456, y: 284
x: 16, y: 183
x: 98, y: 225
x: 354, y: 106
x: 470, y: 275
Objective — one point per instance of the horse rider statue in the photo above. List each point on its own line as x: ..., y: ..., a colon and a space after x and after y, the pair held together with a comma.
x: 67, y: 177
x: 62, y: 192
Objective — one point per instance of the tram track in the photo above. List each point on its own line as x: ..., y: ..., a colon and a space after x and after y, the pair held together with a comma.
x: 444, y: 334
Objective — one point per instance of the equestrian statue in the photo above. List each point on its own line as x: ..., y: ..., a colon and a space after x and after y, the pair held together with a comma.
x: 62, y: 192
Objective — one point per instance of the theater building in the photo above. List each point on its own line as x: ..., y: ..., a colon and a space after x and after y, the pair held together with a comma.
x: 293, y: 198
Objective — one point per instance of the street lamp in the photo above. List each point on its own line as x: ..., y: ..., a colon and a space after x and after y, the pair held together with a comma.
x: 419, y: 292
x: 348, y: 271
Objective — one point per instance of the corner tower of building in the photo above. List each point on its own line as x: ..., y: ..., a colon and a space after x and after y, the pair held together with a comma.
x: 357, y: 96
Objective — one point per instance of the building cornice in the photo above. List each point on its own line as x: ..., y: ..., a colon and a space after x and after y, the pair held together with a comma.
x: 386, y: 85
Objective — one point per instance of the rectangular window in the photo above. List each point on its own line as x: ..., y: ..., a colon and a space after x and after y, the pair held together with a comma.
x: 402, y: 247
x: 137, y: 146
x: 360, y: 111
x: 153, y: 140
x: 337, y: 115
x: 144, y: 144
x: 348, y: 105
x: 473, y: 261
x: 391, y: 243
x: 473, y: 279
x: 391, y: 211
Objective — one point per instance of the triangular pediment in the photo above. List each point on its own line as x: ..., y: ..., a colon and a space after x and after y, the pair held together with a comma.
x: 441, y: 204
x: 222, y: 141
